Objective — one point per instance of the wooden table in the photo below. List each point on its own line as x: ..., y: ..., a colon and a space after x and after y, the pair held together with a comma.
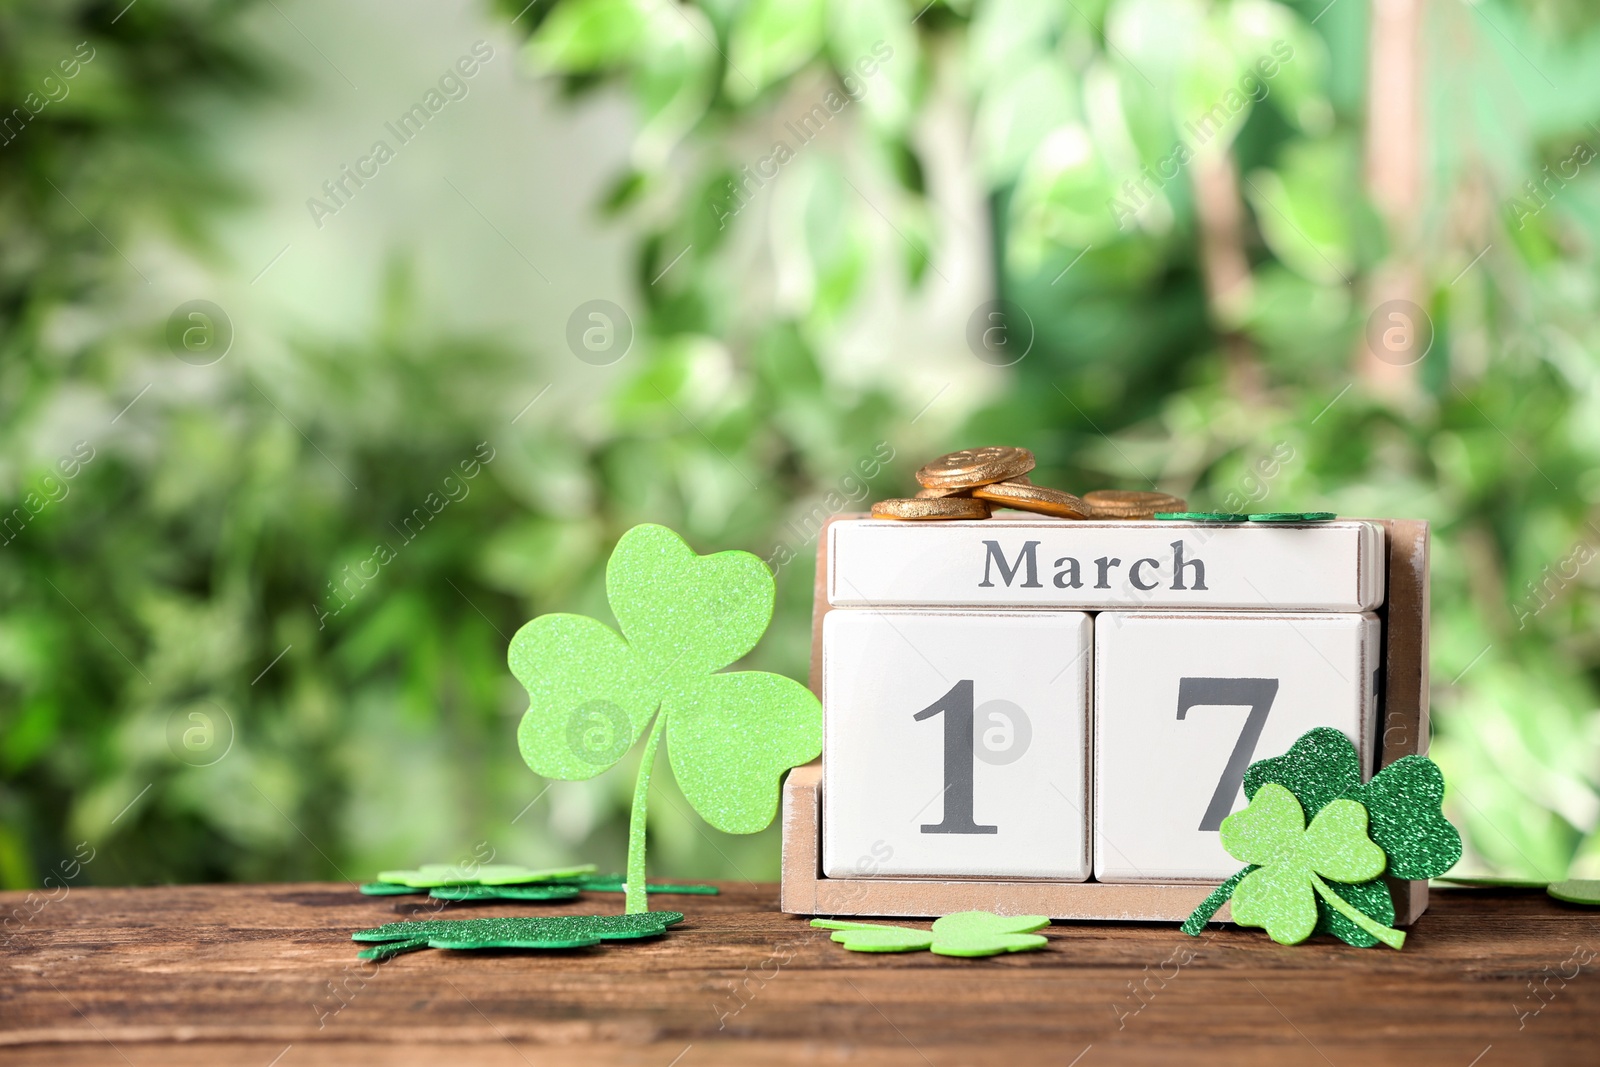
x: 266, y: 975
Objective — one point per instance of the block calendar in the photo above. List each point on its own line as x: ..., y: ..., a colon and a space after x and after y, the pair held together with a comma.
x: 1037, y: 710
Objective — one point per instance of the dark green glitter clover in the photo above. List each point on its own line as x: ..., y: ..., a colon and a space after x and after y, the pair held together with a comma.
x: 512, y: 883
x: 1293, y: 516
x: 504, y: 892
x: 562, y: 888
x: 1405, y: 800
x: 1202, y: 516
x: 558, y: 932
x: 1406, y: 819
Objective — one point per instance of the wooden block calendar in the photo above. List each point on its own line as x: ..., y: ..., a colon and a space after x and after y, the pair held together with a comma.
x: 1032, y: 715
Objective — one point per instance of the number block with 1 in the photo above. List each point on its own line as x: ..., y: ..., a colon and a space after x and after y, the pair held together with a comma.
x: 1185, y: 703
x: 957, y: 744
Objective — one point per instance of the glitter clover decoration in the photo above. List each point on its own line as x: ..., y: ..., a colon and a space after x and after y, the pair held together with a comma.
x: 593, y: 692
x: 508, y: 882
x: 1404, y: 802
x: 558, y: 932
x: 436, y: 875
x: 1291, y: 859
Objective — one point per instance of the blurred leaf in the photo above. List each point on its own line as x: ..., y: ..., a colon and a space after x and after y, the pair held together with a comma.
x: 582, y: 36
x: 772, y: 39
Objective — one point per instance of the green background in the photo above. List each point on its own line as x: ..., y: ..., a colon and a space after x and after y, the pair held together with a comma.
x: 255, y: 615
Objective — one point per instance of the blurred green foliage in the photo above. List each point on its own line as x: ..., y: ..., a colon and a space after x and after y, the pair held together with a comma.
x: 1086, y: 124
x: 291, y: 554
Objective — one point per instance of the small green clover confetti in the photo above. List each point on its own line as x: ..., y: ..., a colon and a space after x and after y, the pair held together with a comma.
x: 966, y: 933
x: 876, y: 937
x: 1406, y: 819
x: 593, y: 692
x: 559, y: 932
x: 1292, y: 859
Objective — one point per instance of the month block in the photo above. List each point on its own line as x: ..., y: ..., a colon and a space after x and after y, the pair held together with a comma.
x: 1185, y: 702
x: 956, y: 744
x: 1042, y: 563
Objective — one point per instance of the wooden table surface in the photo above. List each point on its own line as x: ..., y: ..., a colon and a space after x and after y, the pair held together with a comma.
x: 267, y: 975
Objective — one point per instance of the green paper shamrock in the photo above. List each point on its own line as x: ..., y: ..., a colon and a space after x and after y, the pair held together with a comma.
x: 593, y: 692
x: 1404, y: 803
x: 560, y: 932
x: 966, y: 933
x: 1280, y: 896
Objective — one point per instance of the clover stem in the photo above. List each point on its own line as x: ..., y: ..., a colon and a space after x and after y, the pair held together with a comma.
x: 1389, y: 936
x: 1196, y: 922
x: 637, y: 901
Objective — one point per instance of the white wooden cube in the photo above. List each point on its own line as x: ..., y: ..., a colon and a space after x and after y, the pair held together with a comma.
x: 1185, y: 702
x: 1036, y: 562
x: 956, y: 744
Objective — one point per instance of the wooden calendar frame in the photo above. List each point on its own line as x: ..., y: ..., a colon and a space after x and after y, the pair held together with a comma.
x: 805, y: 891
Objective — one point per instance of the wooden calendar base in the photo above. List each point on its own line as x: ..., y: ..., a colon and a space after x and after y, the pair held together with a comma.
x: 806, y: 892
x: 1404, y: 720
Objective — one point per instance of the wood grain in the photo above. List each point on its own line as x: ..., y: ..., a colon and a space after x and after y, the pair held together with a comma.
x: 1406, y: 615
x: 237, y: 974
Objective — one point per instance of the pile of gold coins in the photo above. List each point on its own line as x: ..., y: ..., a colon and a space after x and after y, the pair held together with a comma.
x: 971, y: 483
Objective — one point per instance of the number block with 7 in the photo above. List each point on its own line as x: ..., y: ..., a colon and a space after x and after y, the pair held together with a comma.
x: 957, y: 744
x: 1185, y: 702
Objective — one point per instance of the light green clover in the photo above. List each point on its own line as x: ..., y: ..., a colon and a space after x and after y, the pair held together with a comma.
x: 1292, y: 860
x: 593, y: 692
x: 1576, y: 891
x: 876, y: 937
x: 432, y: 875
x: 1405, y: 818
x: 966, y: 933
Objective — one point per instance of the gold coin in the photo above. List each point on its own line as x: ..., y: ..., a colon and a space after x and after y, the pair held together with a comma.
x: 1130, y: 504
x: 935, y: 494
x: 1025, y: 496
x: 921, y: 510
x: 975, y: 466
